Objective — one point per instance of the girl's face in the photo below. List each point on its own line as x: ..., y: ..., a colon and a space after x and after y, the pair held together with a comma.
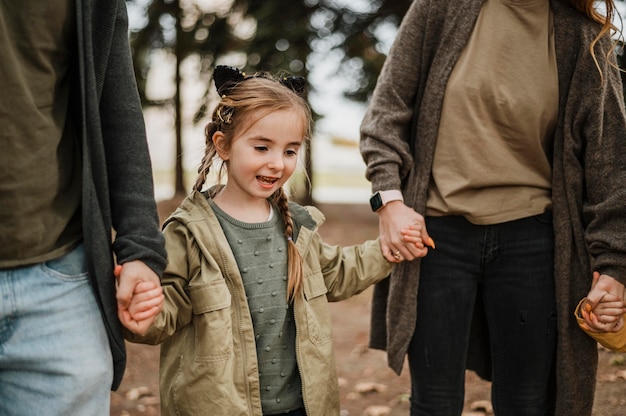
x: 263, y: 157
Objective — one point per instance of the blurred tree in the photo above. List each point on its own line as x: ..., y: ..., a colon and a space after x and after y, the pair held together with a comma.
x: 180, y: 29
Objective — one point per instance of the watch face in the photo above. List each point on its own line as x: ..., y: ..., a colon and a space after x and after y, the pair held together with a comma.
x: 376, y: 202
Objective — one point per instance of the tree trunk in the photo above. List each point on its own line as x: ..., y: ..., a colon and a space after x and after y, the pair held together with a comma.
x: 179, y: 184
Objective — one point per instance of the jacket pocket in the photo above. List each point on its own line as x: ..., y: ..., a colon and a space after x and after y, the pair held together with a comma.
x: 317, y: 311
x: 212, y: 321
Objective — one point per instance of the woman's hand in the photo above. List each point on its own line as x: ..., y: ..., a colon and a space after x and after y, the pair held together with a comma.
x: 403, y: 234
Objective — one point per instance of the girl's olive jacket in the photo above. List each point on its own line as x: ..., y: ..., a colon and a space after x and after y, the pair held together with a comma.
x: 399, y: 133
x: 208, y: 356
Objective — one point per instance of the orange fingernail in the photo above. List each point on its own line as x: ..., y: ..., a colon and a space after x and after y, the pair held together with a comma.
x: 431, y: 242
x: 117, y: 271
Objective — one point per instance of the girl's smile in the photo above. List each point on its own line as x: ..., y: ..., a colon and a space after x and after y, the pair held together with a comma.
x: 260, y: 160
x: 265, y: 181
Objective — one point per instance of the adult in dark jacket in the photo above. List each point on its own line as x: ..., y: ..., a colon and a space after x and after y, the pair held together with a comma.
x: 500, y: 126
x: 75, y: 171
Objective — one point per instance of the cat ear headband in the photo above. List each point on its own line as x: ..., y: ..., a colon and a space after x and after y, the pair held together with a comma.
x: 226, y: 77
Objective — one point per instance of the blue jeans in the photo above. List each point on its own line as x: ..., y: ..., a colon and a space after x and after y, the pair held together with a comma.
x: 54, y: 352
x: 507, y: 270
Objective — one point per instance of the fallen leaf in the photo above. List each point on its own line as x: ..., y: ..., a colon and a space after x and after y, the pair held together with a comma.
x: 404, y: 398
x: 617, y: 360
x: 150, y: 401
x: 137, y: 392
x: 352, y: 396
x: 370, y: 387
x: 359, y: 350
x: 377, y: 411
x: 482, y: 405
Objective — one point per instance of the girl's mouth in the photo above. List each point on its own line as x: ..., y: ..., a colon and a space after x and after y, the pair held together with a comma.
x: 266, y: 180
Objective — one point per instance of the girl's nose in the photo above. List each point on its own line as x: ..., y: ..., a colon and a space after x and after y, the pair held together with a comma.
x: 276, y: 162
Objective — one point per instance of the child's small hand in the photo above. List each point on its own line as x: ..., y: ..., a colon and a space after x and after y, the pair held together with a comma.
x: 137, y: 309
x: 413, y: 233
x: 147, y: 301
x: 607, y: 316
x: 605, y: 312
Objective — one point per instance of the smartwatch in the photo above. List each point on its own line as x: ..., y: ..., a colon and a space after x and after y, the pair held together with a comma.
x: 382, y: 198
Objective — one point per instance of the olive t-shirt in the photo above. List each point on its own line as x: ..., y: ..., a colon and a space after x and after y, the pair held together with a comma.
x: 40, y: 173
x: 492, y: 159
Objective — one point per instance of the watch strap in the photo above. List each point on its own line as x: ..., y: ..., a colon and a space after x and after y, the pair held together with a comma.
x: 382, y: 198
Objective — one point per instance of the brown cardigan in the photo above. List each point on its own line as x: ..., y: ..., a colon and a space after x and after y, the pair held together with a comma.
x: 589, y: 174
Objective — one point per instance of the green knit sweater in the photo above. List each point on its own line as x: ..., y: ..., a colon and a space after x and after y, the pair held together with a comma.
x: 260, y: 250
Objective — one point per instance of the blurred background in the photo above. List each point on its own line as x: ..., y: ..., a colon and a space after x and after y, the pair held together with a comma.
x: 338, y: 45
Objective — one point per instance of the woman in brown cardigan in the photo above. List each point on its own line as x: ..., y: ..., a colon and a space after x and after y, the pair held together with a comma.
x: 502, y: 123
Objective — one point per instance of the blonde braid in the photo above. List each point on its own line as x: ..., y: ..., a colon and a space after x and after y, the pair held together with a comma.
x: 294, y: 267
x: 209, y: 155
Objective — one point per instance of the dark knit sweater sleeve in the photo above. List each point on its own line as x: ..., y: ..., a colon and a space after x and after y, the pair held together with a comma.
x: 129, y: 169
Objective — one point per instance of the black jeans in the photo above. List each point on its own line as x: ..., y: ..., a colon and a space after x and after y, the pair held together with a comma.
x: 510, y: 267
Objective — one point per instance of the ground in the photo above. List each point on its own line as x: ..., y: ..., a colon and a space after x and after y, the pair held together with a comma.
x: 367, y: 386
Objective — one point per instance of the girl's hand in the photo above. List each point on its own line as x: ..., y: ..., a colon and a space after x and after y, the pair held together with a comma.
x: 413, y: 233
x: 604, y: 308
x: 139, y: 296
x: 607, y: 316
x: 147, y: 301
x: 392, y: 221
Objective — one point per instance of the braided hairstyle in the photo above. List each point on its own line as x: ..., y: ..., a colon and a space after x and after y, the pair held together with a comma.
x: 247, y: 102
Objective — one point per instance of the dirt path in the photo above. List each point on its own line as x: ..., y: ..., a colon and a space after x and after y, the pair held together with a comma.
x: 367, y: 386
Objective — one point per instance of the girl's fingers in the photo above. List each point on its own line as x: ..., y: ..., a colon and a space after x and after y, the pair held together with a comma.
x: 414, y: 233
x: 145, y: 286
x: 148, y: 313
x: 594, y: 324
x: 618, y: 326
x: 146, y: 300
x: 413, y: 238
x: 147, y: 294
x: 610, y: 314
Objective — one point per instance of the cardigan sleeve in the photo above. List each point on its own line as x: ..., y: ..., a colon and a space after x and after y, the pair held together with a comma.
x: 604, y: 144
x: 385, y: 128
x: 128, y: 165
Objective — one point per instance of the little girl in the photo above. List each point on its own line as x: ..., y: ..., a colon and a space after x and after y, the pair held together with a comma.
x: 245, y: 327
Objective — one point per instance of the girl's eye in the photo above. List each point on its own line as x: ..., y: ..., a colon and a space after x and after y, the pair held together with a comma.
x: 291, y: 152
x: 260, y: 148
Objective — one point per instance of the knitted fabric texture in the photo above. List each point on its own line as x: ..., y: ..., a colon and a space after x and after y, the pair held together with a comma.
x: 260, y: 250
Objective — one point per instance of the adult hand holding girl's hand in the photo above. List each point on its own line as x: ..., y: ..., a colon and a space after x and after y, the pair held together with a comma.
x: 139, y: 296
x: 403, y: 234
x: 604, y: 308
